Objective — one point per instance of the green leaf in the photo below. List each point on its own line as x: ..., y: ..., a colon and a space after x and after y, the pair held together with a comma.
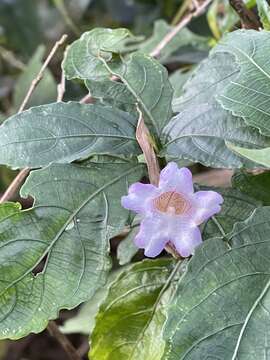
x: 201, y: 129
x: 127, y: 249
x: 183, y: 38
x: 144, y: 77
x: 147, y: 80
x: 221, y: 307
x: 84, y: 321
x: 264, y: 13
x: 259, y: 156
x: 247, y: 95
x: 236, y: 207
x: 82, y: 59
x: 56, y: 255
x: 46, y: 90
x: 114, y: 93
x: 255, y: 185
x: 131, y: 318
x: 63, y: 132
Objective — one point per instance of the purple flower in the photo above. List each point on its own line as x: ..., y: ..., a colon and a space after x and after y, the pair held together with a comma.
x: 171, y: 212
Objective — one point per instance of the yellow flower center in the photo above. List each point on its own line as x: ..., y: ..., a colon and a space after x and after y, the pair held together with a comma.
x: 172, y: 202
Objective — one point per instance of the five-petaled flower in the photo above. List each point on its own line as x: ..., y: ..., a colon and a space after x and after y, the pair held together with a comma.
x: 171, y: 212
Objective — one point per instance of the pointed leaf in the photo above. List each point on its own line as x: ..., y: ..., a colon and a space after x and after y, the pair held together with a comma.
x: 55, y: 255
x: 63, y: 132
x: 82, y: 57
x: 259, y: 156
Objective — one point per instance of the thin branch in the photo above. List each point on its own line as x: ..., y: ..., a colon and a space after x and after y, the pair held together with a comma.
x: 198, y: 11
x: 41, y: 72
x: 63, y: 340
x: 16, y: 183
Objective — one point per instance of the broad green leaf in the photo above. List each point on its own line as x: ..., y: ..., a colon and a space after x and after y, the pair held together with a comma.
x: 56, y: 255
x: 129, y: 322
x: 127, y: 249
x: 147, y: 80
x: 259, y: 156
x: 221, y: 306
x: 201, y: 129
x: 236, y: 207
x: 183, y: 38
x: 247, y: 95
x: 46, y: 90
x: 264, y: 12
x: 82, y: 57
x: 63, y: 132
x: 255, y: 185
x: 84, y: 321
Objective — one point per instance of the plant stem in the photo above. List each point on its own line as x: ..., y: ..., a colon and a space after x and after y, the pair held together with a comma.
x: 41, y: 72
x: 63, y: 341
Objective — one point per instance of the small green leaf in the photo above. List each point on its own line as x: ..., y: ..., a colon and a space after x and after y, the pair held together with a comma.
x: 255, y: 185
x: 131, y: 318
x: 145, y: 78
x: 247, y: 95
x: 264, y: 13
x: 221, y: 306
x: 201, y: 129
x: 82, y: 57
x: 56, y: 255
x: 259, y: 156
x: 63, y: 132
x: 46, y: 90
